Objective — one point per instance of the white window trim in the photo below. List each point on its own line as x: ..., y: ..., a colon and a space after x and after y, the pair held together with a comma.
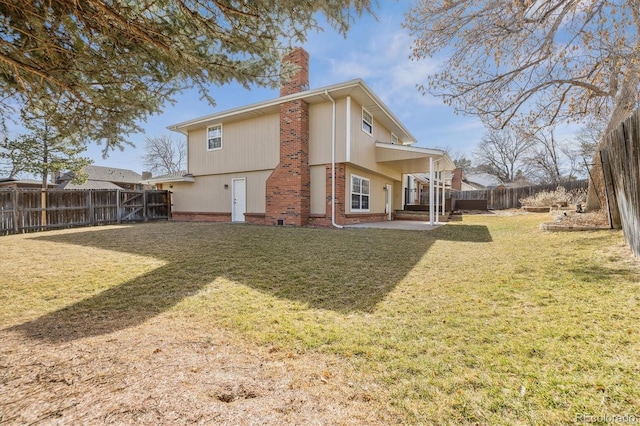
x: 394, y: 138
x: 207, y: 137
x: 365, y: 121
x: 351, y: 193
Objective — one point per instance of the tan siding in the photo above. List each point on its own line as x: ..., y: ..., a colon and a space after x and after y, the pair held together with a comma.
x: 320, y: 116
x: 377, y: 194
x: 380, y: 134
x: 246, y: 145
x: 208, y: 194
x: 318, y: 189
x: 363, y: 149
x: 341, y: 130
x: 397, y: 196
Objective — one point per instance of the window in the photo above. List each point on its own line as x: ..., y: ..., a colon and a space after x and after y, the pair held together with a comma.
x: 214, y: 137
x: 367, y: 122
x: 394, y: 138
x: 359, y: 193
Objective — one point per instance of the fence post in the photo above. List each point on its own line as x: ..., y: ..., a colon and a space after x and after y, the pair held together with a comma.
x: 43, y: 207
x: 144, y: 206
x: 610, y: 195
x: 90, y: 208
x: 119, y: 206
x: 14, y: 201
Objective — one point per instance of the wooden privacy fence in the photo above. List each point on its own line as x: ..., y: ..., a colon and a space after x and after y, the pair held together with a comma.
x: 30, y: 210
x: 620, y: 155
x: 509, y: 198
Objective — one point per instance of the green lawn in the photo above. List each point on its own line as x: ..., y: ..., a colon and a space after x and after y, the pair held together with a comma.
x: 483, y: 321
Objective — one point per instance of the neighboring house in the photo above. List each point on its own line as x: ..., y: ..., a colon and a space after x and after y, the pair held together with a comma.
x: 470, y: 186
x: 13, y: 183
x: 166, y: 181
x: 334, y: 155
x: 482, y: 180
x: 103, y: 178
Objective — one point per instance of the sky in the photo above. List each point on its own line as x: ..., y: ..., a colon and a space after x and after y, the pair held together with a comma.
x: 376, y: 49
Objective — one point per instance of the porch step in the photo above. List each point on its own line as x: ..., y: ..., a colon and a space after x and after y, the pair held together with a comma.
x: 418, y: 215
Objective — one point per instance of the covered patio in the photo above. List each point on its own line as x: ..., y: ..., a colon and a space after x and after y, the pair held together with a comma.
x: 433, y: 163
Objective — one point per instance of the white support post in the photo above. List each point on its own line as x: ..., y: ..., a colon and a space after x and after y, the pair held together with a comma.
x: 437, y: 206
x: 444, y: 192
x: 431, y: 188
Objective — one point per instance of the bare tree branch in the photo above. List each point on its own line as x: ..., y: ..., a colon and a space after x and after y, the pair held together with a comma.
x: 532, y: 61
x: 165, y: 154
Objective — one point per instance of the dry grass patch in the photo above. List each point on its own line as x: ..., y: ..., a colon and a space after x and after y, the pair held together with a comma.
x: 484, y: 321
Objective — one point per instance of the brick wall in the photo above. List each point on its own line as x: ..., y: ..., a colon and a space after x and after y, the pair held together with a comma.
x: 200, y: 217
x: 341, y: 179
x: 456, y: 179
x: 299, y: 81
x: 288, y: 197
x: 342, y: 191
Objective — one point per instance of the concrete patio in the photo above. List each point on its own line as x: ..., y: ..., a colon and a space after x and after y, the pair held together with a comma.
x: 407, y: 225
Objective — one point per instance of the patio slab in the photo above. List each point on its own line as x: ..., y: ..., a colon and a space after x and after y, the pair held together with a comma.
x: 407, y: 225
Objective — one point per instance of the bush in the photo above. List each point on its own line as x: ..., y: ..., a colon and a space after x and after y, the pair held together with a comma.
x: 558, y: 197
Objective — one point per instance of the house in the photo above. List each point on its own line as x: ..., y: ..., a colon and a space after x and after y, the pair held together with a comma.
x: 483, y: 180
x: 13, y: 183
x: 329, y: 156
x: 100, y: 177
x: 166, y: 181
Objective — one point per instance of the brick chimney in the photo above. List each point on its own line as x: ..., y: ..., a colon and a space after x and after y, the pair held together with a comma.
x: 299, y: 80
x: 288, y: 197
x: 456, y: 179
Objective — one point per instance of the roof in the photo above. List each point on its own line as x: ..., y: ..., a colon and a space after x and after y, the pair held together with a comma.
x: 108, y: 174
x: 89, y: 184
x: 24, y: 183
x: 357, y: 89
x: 181, y: 176
x: 412, y: 159
x: 483, y: 179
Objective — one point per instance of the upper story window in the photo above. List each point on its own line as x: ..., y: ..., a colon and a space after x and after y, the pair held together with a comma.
x: 360, y: 193
x: 214, y: 137
x: 367, y: 122
x: 394, y: 138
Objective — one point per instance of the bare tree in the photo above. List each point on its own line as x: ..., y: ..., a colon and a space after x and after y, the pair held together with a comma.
x: 165, y: 154
x: 526, y: 62
x: 502, y: 153
x: 534, y: 61
x: 460, y: 159
x: 546, y: 157
x: 589, y: 137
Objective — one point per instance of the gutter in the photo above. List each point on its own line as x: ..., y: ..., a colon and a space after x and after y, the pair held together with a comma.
x: 333, y: 161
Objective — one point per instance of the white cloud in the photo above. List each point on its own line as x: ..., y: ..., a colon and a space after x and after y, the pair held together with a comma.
x: 383, y: 61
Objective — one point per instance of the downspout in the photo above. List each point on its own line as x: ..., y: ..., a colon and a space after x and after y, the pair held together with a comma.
x: 333, y: 161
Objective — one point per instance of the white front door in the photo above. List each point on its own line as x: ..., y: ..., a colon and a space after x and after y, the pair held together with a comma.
x: 387, y: 196
x: 238, y: 199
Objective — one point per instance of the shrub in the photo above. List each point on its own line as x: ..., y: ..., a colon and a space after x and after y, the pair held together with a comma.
x: 552, y: 198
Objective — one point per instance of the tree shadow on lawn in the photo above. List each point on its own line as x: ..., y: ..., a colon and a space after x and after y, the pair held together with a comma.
x: 344, y: 271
